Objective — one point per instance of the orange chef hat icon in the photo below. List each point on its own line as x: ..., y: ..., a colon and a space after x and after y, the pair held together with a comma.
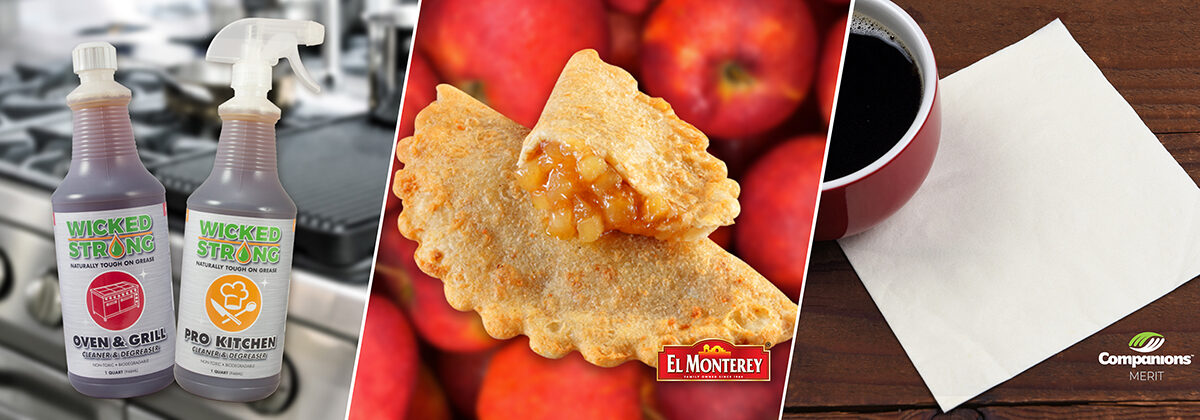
x: 234, y: 294
x: 233, y: 303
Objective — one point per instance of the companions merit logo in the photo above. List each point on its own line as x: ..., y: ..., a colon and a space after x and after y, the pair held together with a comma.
x: 113, y: 237
x: 240, y: 243
x: 1145, y: 342
x: 714, y: 360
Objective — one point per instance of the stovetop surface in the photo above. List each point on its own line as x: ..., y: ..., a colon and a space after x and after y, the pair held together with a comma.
x: 35, y: 123
x: 334, y: 168
x: 336, y: 174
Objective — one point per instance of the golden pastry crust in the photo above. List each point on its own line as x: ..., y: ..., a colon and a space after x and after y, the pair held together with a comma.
x: 596, y: 109
x: 619, y: 298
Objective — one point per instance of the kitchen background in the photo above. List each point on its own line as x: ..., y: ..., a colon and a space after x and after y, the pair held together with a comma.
x: 346, y: 130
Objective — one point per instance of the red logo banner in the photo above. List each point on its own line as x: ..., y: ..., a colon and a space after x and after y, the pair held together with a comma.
x: 714, y: 360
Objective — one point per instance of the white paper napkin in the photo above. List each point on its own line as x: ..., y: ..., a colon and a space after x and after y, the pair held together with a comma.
x: 1050, y: 212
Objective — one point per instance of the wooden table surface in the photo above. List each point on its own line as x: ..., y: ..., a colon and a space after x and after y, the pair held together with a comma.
x: 847, y: 361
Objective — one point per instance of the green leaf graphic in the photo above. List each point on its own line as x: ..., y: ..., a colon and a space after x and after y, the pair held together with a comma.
x: 1141, y: 338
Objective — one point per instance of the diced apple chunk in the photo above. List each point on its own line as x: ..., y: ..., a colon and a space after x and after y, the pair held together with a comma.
x: 584, y: 197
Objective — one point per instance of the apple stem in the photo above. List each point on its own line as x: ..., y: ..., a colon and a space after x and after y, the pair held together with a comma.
x: 475, y: 89
x: 736, y: 74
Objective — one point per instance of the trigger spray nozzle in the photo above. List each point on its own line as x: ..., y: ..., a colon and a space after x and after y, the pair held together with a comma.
x: 253, y: 46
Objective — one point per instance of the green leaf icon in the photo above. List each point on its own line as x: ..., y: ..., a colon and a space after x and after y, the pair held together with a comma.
x: 1142, y: 338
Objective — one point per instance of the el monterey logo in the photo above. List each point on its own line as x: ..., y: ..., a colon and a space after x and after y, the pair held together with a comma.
x: 714, y: 360
x: 1146, y: 342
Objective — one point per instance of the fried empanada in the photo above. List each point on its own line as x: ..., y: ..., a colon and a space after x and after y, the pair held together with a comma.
x: 618, y: 298
x: 604, y: 156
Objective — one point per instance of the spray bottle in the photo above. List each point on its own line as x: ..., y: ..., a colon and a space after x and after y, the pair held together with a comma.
x: 110, y: 236
x: 240, y: 227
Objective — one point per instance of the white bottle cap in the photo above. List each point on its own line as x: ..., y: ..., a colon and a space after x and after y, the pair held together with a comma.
x: 94, y: 55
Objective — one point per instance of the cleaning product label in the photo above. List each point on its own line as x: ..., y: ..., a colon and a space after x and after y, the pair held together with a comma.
x: 114, y: 273
x: 234, y: 296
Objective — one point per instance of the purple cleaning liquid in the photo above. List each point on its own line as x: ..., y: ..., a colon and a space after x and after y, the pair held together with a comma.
x: 114, y: 265
x: 241, y: 226
x: 236, y: 269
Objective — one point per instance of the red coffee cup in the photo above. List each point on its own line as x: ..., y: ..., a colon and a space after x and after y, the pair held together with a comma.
x: 858, y: 201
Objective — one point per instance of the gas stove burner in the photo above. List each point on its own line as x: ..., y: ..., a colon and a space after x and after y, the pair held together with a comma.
x: 36, y: 127
x: 111, y: 29
x: 23, y: 105
x: 16, y: 146
x: 28, y: 72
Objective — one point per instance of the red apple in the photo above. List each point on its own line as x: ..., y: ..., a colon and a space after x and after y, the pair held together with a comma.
x: 418, y: 93
x: 391, y: 202
x: 726, y: 400
x: 429, y: 401
x: 521, y: 384
x: 394, y: 250
x: 462, y: 376
x: 508, y: 53
x: 779, y: 194
x: 831, y: 61
x: 632, y: 7
x: 723, y: 236
x: 624, y: 31
x: 739, y: 154
x: 423, y: 298
x: 439, y: 323
x: 733, y: 68
x: 387, y: 363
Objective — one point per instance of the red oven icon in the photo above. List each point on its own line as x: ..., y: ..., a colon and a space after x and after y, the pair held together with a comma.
x: 115, y: 300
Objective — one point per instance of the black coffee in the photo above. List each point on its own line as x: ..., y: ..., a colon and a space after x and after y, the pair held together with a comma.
x: 878, y: 101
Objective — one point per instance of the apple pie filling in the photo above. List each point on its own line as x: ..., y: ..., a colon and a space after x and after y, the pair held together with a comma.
x: 584, y: 197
